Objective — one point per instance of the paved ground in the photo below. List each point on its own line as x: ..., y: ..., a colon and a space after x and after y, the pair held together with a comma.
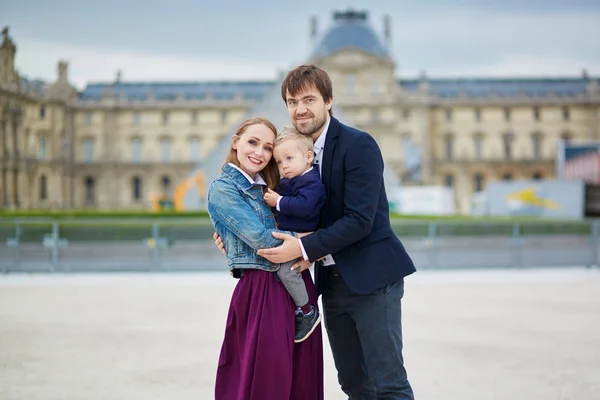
x: 469, y: 335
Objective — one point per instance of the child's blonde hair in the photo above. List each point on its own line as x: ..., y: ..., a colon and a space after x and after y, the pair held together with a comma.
x: 304, y: 141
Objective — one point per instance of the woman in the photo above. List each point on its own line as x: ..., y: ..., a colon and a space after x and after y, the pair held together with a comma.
x: 259, y: 360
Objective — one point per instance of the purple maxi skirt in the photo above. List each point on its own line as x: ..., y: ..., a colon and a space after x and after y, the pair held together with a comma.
x: 259, y: 360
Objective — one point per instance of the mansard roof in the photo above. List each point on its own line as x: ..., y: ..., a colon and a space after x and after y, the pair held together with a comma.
x: 502, y: 87
x: 223, y: 90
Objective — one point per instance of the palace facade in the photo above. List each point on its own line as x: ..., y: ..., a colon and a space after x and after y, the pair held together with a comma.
x: 114, y: 144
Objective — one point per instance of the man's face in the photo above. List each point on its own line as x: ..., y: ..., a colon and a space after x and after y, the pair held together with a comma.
x: 308, y: 111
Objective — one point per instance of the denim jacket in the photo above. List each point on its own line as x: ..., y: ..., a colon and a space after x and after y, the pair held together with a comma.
x: 243, y: 219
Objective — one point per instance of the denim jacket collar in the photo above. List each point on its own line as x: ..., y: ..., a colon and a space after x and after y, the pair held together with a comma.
x: 240, y: 180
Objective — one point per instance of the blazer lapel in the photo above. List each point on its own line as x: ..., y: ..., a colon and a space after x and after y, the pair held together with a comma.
x: 329, y: 150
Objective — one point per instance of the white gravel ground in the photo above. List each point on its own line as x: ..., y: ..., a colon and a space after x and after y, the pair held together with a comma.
x: 469, y: 335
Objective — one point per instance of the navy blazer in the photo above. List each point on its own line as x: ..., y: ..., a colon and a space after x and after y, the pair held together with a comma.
x: 355, y: 221
x: 300, y: 206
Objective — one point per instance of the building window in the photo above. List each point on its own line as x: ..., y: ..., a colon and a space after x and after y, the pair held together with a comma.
x: 194, y: 118
x: 406, y: 113
x: 566, y: 137
x: 538, y: 176
x: 89, y: 190
x: 478, y: 146
x: 88, y: 118
x: 88, y: 150
x: 448, y: 144
x: 165, y: 184
x: 165, y: 118
x: 195, y: 149
x: 136, y: 118
x: 566, y: 114
x: 42, y: 148
x: 43, y: 187
x: 506, y: 114
x: 536, y: 113
x: 478, y: 115
x: 478, y: 182
x: 507, y: 177
x: 448, y: 115
x: 537, y: 145
x: 42, y: 112
x: 350, y: 83
x: 165, y: 150
x: 136, y: 150
x: 507, y: 140
x: 136, y: 188
x: 449, y: 180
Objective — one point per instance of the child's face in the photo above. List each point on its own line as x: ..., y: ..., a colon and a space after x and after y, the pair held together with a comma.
x: 291, y: 159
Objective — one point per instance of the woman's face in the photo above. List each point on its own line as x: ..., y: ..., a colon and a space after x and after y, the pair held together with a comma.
x: 254, y: 148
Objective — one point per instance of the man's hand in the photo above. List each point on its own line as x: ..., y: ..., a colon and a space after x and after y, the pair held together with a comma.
x: 288, y: 251
x: 271, y: 197
x: 302, y: 265
x: 219, y: 242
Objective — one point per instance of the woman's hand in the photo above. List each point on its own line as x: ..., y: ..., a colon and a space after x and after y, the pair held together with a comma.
x: 301, y: 266
x: 219, y: 242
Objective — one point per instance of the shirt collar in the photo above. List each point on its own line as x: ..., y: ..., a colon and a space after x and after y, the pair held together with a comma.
x: 307, y: 171
x: 320, y: 143
x: 259, y: 179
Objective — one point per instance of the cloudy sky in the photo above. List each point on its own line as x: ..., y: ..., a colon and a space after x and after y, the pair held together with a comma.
x: 226, y: 39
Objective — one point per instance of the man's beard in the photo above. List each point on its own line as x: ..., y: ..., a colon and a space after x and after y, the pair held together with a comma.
x: 310, y: 128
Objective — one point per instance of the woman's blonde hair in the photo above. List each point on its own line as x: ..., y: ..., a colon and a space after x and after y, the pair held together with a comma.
x: 270, y: 173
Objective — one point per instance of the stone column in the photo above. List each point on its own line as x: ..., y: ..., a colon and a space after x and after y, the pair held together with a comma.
x: 17, y: 163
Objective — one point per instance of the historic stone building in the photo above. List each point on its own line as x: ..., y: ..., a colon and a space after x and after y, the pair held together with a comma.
x: 115, y: 144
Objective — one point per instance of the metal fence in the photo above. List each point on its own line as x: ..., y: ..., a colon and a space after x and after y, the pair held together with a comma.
x: 38, y: 245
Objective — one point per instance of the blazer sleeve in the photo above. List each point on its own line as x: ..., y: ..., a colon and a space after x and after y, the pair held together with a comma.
x: 363, y: 179
x: 231, y: 210
x: 306, y: 201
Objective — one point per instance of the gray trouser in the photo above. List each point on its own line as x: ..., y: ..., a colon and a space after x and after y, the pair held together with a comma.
x: 365, y: 334
x: 293, y: 282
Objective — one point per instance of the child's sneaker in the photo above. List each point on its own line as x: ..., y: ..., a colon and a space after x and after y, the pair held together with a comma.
x: 306, y: 324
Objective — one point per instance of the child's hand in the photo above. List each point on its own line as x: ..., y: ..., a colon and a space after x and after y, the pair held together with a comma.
x: 271, y: 197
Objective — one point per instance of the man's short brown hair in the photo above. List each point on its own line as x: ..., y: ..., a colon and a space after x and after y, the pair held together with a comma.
x: 303, y: 77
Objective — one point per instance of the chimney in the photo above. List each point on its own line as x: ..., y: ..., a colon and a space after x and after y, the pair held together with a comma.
x: 313, y: 28
x: 584, y: 74
x: 387, y: 30
x: 63, y: 71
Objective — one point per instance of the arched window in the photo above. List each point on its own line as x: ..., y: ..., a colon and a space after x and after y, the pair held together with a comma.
x: 90, y: 196
x: 536, y: 142
x: 448, y: 146
x: 43, y: 187
x: 165, y: 184
x: 136, y: 188
x: 567, y: 137
x: 478, y: 182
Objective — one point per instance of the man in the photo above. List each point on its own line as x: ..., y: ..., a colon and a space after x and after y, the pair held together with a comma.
x: 362, y: 263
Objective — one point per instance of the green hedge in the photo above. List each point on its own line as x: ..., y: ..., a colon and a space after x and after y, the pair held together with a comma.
x: 99, y: 214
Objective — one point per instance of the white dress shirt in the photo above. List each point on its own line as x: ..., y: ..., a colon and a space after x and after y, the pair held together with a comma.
x: 318, y: 147
x: 258, y: 180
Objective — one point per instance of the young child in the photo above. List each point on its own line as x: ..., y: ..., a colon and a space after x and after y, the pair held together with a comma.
x: 299, y: 198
